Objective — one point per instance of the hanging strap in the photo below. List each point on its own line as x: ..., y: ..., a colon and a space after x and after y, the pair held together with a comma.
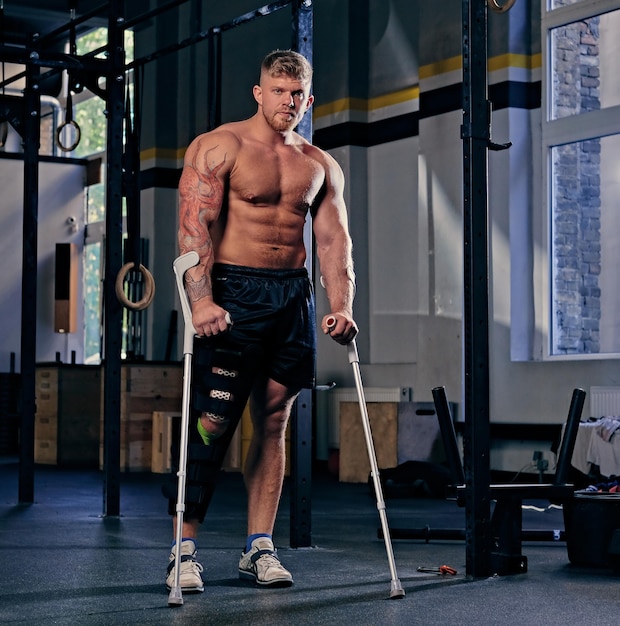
x: 69, y: 121
x: 131, y: 166
x: 131, y: 183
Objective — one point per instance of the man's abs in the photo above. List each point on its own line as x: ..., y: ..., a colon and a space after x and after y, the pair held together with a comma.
x: 261, y: 236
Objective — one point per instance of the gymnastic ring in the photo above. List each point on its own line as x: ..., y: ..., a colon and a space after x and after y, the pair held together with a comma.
x: 78, y: 136
x: 149, y: 287
x: 4, y: 133
x: 501, y: 8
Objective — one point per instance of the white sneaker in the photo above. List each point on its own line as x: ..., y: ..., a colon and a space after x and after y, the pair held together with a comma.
x: 189, y: 578
x: 262, y: 565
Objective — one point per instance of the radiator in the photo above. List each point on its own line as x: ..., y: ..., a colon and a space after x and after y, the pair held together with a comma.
x: 349, y: 394
x: 604, y: 401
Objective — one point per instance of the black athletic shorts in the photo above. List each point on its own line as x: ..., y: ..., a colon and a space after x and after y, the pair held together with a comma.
x: 274, y: 309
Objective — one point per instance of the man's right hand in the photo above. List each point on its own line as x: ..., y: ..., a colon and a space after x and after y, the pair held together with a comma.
x: 209, y: 318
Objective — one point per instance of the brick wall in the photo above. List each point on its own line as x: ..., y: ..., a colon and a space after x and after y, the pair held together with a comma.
x: 577, y: 195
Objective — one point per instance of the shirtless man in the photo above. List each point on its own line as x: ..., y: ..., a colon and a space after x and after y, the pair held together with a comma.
x: 246, y: 191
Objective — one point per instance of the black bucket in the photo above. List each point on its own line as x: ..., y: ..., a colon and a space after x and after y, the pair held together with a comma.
x: 592, y: 524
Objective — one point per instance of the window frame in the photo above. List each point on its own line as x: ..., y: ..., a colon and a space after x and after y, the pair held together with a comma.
x: 565, y: 130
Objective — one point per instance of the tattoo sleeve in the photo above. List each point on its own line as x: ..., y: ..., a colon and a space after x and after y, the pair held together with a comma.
x: 201, y: 194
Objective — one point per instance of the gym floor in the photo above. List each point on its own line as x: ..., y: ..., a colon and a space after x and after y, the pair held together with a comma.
x: 63, y: 563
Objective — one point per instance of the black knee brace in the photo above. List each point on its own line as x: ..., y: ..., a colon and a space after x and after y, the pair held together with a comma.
x: 222, y: 380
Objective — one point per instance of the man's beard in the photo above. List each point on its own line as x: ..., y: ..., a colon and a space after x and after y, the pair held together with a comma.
x: 281, y: 124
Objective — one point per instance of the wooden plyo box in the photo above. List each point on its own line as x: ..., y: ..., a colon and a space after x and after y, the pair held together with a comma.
x: 67, y: 415
x: 161, y: 443
x: 46, y: 416
x: 354, y: 463
x: 145, y: 389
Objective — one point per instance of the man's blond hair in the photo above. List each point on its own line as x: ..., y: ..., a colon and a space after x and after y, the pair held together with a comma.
x: 287, y: 63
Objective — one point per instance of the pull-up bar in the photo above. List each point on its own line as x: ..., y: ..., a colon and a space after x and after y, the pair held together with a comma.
x: 75, y: 21
x: 152, y: 13
x: 263, y: 11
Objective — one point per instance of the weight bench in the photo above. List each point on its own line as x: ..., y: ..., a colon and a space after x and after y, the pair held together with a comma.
x: 507, y: 518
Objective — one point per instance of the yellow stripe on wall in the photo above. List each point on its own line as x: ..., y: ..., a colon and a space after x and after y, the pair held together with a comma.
x: 500, y: 62
x: 441, y: 67
x: 162, y: 153
x: 361, y: 104
x: 521, y: 61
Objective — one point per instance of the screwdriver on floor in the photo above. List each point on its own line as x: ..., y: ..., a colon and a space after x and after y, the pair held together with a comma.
x: 442, y: 569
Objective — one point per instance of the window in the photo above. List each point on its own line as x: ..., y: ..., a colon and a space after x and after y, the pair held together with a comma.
x: 581, y: 149
x: 89, y: 115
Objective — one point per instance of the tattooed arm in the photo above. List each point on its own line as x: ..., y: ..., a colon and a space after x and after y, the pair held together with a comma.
x: 208, y: 162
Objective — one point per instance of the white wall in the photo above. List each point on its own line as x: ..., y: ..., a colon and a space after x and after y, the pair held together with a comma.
x: 61, y: 196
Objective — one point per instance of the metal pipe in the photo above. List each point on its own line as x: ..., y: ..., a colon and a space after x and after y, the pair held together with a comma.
x: 212, y: 94
x: 152, y: 13
x: 115, y: 99
x: 458, y: 534
x: 476, y: 289
x: 301, y: 426
x: 204, y: 34
x: 7, y: 81
x: 250, y: 16
x: 28, y: 349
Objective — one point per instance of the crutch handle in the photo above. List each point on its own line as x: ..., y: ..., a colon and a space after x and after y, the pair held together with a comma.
x: 181, y: 265
x: 351, y: 346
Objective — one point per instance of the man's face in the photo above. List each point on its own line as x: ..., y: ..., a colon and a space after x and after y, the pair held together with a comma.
x: 283, y: 101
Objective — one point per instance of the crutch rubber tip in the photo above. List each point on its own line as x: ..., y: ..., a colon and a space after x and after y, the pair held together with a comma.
x: 396, y: 592
x: 175, y: 597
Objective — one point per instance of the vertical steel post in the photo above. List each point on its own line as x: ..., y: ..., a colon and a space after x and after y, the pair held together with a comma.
x: 115, y: 95
x: 301, y: 424
x: 475, y: 134
x: 302, y: 43
x: 31, y: 132
x: 214, y: 79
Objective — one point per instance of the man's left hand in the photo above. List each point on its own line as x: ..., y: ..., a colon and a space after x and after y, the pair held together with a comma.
x: 340, y: 327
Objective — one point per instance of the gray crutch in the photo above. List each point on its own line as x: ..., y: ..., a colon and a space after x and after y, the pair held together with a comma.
x: 396, y: 589
x: 180, y: 266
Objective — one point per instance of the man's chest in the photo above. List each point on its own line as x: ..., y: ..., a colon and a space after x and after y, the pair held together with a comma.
x: 275, y: 178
